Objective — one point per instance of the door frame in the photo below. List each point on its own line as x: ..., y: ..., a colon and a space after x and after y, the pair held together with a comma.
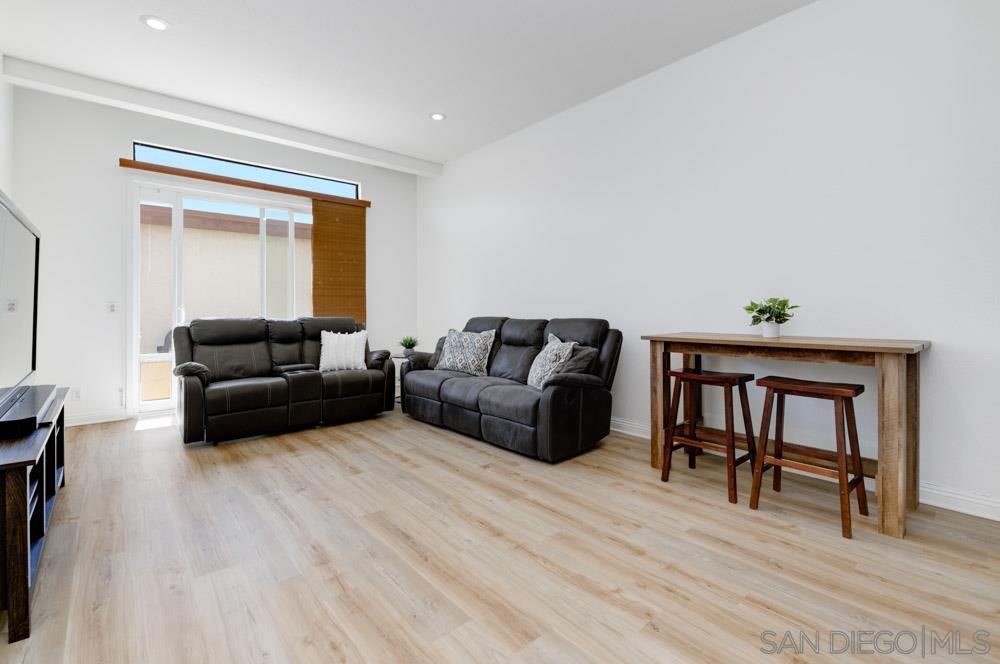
x: 173, y: 190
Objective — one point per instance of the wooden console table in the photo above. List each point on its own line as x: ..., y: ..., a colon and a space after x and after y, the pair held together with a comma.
x: 897, y: 364
x: 32, y: 470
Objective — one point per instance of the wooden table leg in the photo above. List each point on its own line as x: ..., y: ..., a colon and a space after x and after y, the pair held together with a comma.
x: 16, y: 546
x: 913, y: 431
x: 893, y: 443
x: 692, y: 406
x: 659, y: 399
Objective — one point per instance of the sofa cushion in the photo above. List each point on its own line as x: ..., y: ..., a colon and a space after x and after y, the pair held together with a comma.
x: 312, y: 326
x: 483, y: 323
x: 285, y: 337
x: 523, y: 332
x: 517, y: 403
x: 427, y: 384
x: 234, y: 360
x: 233, y: 396
x: 584, y: 331
x: 228, y: 330
x: 352, y: 382
x: 464, y: 391
x: 520, y: 341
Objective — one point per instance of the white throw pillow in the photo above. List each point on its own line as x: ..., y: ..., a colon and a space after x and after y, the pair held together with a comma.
x: 550, y: 361
x: 342, y: 350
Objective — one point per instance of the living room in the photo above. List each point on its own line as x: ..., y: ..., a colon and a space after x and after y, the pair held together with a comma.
x: 573, y: 215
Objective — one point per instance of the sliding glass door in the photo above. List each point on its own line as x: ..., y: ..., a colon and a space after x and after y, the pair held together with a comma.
x: 159, y: 212
x: 199, y: 255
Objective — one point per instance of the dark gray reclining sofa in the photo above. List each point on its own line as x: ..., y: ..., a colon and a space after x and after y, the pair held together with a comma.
x: 247, y: 376
x: 569, y: 416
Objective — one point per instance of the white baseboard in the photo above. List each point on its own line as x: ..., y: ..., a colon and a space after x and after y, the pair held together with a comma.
x: 97, y: 417
x: 973, y: 504
x: 630, y: 427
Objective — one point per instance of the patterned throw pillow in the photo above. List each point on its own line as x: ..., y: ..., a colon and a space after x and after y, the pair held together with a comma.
x: 549, y: 361
x: 466, y: 351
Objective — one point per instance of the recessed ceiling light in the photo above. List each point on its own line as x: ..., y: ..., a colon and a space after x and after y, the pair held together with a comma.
x: 154, y: 22
x: 438, y: 116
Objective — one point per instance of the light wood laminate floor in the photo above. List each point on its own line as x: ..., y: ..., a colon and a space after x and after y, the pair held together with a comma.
x: 393, y: 541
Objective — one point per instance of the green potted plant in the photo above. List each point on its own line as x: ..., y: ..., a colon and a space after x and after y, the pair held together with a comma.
x: 770, y: 313
x: 408, y: 344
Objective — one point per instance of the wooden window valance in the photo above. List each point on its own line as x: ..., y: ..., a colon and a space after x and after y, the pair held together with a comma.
x: 237, y: 182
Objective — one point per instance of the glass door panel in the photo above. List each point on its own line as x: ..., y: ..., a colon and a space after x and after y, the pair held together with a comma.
x: 303, y: 264
x: 156, y: 300
x: 277, y: 261
x: 207, y: 256
x: 221, y: 266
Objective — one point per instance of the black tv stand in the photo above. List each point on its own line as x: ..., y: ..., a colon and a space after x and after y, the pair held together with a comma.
x: 32, y: 471
x: 27, y: 408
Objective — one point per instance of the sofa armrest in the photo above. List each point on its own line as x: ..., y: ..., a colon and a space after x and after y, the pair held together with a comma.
x: 286, y: 368
x: 195, y: 369
x: 376, y: 359
x: 574, y: 414
x: 404, y: 368
x: 419, y: 360
x: 573, y: 380
x: 191, y: 408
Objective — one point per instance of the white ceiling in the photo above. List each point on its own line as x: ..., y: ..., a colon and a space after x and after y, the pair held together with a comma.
x: 372, y: 71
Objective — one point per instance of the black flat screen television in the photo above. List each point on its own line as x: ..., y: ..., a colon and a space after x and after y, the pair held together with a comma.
x: 19, y: 249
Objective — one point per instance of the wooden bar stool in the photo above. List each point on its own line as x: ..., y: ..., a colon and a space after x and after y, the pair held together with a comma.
x: 687, y: 378
x: 842, y: 395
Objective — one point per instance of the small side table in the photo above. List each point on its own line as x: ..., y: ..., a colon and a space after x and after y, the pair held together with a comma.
x: 399, y: 358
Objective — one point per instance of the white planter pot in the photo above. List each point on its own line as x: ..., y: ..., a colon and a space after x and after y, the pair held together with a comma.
x: 770, y: 330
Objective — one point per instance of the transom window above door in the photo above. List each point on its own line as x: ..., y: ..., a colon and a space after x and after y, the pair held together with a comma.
x: 192, y: 161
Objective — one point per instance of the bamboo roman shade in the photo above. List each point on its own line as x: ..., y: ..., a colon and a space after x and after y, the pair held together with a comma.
x: 338, y: 256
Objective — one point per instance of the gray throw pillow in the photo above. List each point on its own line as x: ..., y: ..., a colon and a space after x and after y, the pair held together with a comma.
x: 549, y: 361
x: 581, y: 360
x: 468, y: 352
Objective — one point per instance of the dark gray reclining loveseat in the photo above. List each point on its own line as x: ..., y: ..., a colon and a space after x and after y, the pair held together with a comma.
x: 247, y: 376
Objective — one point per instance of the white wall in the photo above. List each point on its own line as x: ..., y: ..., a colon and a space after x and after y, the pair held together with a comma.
x: 6, y: 137
x: 846, y: 155
x: 69, y: 184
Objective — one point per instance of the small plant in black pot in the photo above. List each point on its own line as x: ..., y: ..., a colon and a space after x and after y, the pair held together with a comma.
x: 408, y: 344
x: 770, y: 313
